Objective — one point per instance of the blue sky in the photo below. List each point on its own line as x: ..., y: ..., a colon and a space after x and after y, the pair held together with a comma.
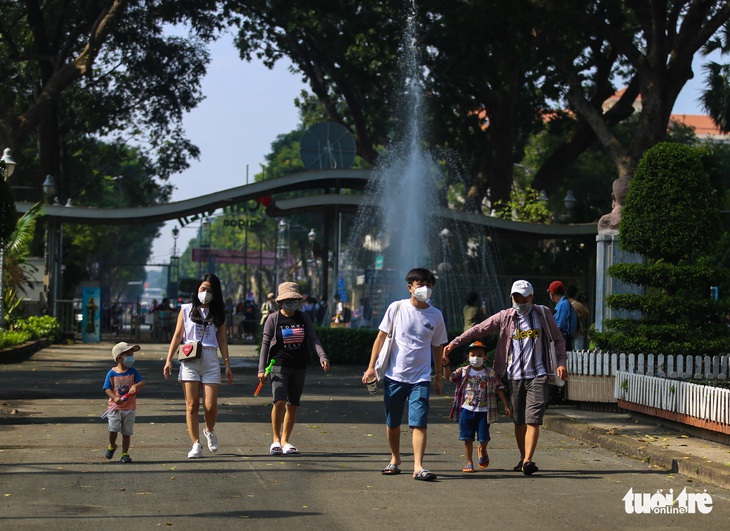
x: 246, y: 107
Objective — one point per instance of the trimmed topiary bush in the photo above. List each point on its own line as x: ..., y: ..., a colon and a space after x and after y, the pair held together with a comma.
x: 670, y: 212
x: 670, y: 216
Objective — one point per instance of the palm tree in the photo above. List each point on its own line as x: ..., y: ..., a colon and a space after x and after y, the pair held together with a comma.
x: 716, y: 99
x: 16, y: 272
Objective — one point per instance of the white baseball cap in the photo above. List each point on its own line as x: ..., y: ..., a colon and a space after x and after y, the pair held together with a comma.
x: 122, y: 348
x: 522, y: 287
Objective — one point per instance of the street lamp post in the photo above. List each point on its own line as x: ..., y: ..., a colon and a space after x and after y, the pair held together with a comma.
x: 7, y: 169
x: 445, y: 236
x: 204, y: 239
x: 173, y: 271
x: 312, y: 237
x: 569, y: 202
x: 49, y: 191
x: 280, y: 246
x: 208, y: 228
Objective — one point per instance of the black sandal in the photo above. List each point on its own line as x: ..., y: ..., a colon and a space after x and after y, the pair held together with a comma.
x: 518, y: 468
x: 424, y: 475
x: 529, y: 468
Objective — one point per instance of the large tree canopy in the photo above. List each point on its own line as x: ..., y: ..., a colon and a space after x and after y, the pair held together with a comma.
x: 513, y: 63
x: 646, y: 46
x: 117, y: 68
x: 351, y: 55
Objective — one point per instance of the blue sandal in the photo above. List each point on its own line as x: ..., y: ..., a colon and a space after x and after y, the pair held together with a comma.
x: 391, y: 470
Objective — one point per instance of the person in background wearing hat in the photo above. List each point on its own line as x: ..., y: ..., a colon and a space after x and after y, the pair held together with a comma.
x: 204, y: 320
x: 522, y: 354
x: 565, y: 314
x: 419, y: 335
x: 288, y: 337
x: 475, y: 403
x: 121, y: 385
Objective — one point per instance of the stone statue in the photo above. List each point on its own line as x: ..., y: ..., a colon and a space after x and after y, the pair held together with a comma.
x: 609, y: 222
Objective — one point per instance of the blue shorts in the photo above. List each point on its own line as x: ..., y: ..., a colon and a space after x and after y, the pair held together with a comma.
x: 473, y: 423
x: 396, y: 394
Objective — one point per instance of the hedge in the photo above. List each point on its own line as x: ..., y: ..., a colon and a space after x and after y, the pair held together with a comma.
x: 352, y: 346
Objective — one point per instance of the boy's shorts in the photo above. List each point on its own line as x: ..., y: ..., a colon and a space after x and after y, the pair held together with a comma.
x: 417, y: 395
x: 122, y: 421
x: 206, y: 369
x: 471, y: 423
x: 287, y: 384
x: 529, y: 400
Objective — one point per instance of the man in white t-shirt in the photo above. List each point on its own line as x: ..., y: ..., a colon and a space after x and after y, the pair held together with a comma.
x: 420, y: 334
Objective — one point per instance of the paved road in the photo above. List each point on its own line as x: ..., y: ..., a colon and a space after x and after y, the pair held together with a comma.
x: 53, y: 473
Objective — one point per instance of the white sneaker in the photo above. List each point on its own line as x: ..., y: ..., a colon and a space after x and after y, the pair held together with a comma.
x: 196, y: 452
x: 212, y: 439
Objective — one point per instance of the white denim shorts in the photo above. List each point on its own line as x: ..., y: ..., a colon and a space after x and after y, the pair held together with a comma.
x: 206, y: 369
x: 122, y: 421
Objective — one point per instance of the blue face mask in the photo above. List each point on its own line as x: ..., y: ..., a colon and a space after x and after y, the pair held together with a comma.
x: 290, y: 306
x: 128, y: 362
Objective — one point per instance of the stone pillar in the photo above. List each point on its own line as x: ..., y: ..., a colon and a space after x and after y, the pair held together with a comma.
x: 608, y: 253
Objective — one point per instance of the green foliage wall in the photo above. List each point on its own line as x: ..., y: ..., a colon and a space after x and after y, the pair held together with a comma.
x: 671, y: 216
x: 352, y: 346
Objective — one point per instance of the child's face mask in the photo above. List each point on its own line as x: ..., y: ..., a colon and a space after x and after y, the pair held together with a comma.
x: 476, y: 361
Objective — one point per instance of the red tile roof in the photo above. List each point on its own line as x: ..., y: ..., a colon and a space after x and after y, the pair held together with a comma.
x: 703, y: 125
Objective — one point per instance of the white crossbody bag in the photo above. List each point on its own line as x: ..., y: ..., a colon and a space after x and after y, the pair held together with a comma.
x: 381, y: 364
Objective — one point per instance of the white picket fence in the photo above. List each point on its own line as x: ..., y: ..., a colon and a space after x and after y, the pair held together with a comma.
x: 648, y: 382
x: 693, y: 400
x: 597, y: 363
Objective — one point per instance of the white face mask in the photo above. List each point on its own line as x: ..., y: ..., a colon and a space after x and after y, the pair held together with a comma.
x: 476, y: 361
x: 522, y: 308
x: 422, y: 293
x: 205, y: 297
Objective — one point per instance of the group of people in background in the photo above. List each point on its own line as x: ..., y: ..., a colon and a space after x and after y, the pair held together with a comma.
x: 420, y: 345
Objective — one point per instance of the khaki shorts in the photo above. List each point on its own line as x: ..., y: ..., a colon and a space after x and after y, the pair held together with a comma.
x: 529, y: 400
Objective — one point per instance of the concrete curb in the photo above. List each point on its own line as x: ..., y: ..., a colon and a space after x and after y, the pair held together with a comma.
x: 691, y: 466
x: 20, y: 353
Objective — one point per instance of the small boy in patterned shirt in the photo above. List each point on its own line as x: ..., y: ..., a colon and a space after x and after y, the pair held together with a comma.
x: 475, y: 404
x: 121, y: 385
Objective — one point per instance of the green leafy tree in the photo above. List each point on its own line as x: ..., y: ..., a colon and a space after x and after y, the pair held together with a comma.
x: 78, y: 68
x: 352, y: 64
x: 494, y: 71
x: 649, y: 47
x: 671, y: 217
x: 524, y: 205
x: 110, y: 176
